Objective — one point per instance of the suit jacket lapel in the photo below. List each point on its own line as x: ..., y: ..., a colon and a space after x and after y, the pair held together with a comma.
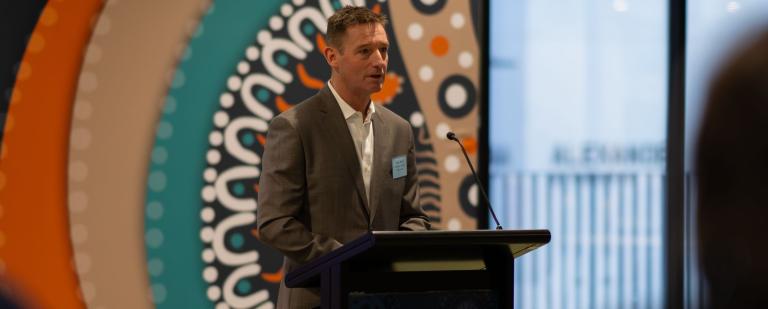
x: 337, y: 133
x: 381, y: 153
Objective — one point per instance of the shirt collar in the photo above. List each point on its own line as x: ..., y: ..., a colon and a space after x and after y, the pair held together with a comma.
x: 347, y: 109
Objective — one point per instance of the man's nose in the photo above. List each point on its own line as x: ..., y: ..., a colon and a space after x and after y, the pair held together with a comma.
x: 379, y: 59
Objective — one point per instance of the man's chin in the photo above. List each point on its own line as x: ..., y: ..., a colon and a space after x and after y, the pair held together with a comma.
x: 376, y: 88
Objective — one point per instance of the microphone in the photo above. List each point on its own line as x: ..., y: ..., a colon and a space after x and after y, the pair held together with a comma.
x: 452, y: 136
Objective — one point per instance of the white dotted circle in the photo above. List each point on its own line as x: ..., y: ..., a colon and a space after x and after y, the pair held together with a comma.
x: 207, y: 214
x: 78, y: 201
x: 222, y: 305
x: 210, y: 174
x: 164, y: 129
x: 82, y: 262
x: 472, y: 195
x: 159, y: 293
x: 209, y: 194
x: 417, y: 119
x: 157, y: 181
x: 226, y: 100
x: 286, y: 10
x: 199, y: 31
x: 210, y: 274
x: 276, y: 23
x: 221, y: 119
x: 252, y: 53
x: 457, y: 20
x: 216, y: 138
x: 214, y: 293
x: 456, y: 96
x: 466, y: 60
x: 83, y: 110
x: 243, y: 67
x: 234, y: 83
x: 209, y: 255
x: 103, y: 26
x: 426, y: 73
x: 155, y: 267
x: 179, y: 79
x: 452, y: 163
x: 187, y: 54
x: 88, y: 290
x: 78, y: 171
x: 206, y: 234
x: 81, y: 138
x: 79, y: 233
x: 154, y: 238
x: 454, y: 224
x: 213, y: 156
x: 155, y: 210
x: 263, y: 37
x: 93, y: 55
x: 442, y: 129
x: 170, y: 105
x: 298, y: 2
x: 415, y: 31
x: 88, y: 82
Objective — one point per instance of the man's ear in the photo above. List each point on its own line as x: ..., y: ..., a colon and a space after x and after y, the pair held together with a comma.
x: 331, y: 56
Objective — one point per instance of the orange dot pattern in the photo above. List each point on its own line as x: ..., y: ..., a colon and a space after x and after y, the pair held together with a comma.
x: 470, y: 143
x: 439, y: 46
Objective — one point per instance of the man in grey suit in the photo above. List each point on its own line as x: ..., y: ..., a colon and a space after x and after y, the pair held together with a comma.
x: 335, y: 166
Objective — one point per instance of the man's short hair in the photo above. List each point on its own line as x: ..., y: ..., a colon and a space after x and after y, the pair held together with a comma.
x: 350, y: 16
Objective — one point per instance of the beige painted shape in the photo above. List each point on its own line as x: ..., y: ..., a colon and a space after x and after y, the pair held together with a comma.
x: 125, y: 77
x: 417, y: 53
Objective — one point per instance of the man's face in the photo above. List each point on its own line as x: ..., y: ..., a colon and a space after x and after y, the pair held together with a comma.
x: 362, y: 61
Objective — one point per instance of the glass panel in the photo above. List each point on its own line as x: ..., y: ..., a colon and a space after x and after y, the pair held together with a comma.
x: 577, y: 136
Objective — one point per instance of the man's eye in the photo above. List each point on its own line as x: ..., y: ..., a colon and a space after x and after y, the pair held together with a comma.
x: 365, y: 51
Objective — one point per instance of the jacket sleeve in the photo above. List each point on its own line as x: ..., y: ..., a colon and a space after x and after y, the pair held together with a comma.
x: 412, y: 216
x: 282, y: 196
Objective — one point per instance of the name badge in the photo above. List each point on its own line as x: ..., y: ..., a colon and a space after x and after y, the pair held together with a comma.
x: 399, y: 167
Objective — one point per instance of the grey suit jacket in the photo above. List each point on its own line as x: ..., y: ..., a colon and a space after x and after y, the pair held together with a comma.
x: 311, y: 196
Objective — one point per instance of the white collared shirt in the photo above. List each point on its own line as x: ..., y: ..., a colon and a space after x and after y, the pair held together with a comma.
x: 362, y: 134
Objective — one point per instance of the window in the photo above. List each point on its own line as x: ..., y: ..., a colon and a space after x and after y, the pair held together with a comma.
x: 578, y: 100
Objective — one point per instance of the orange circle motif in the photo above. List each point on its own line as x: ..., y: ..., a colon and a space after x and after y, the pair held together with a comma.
x: 439, y: 46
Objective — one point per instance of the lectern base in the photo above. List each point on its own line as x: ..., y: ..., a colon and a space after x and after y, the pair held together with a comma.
x: 464, y: 299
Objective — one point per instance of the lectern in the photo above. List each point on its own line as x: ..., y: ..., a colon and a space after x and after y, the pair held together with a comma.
x: 429, y: 269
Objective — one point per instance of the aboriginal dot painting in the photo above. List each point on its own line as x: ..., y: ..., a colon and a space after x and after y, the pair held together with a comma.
x: 133, y: 132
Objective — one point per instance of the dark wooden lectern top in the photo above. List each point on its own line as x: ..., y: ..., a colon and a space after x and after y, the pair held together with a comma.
x: 418, y: 251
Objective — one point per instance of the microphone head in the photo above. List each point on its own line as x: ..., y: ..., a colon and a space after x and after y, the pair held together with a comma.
x: 450, y: 135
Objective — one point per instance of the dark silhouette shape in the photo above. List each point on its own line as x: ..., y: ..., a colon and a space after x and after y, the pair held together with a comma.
x: 732, y: 176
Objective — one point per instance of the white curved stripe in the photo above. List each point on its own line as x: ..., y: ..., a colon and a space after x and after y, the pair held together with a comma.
x: 232, y: 143
x: 243, y: 301
x: 328, y: 10
x: 268, y: 59
x: 294, y: 26
x: 251, y: 102
x: 222, y: 253
x: 222, y: 191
